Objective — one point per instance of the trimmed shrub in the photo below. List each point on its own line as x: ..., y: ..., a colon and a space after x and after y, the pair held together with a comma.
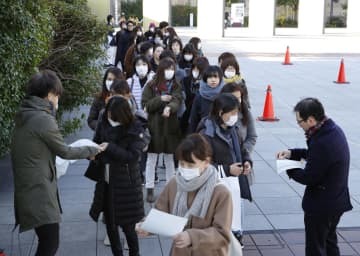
x: 180, y: 15
x: 60, y: 35
x: 26, y: 31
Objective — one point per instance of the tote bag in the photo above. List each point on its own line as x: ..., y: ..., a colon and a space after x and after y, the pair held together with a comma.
x: 232, y: 183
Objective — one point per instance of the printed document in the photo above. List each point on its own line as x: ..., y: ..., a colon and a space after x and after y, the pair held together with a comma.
x: 63, y: 164
x: 164, y: 224
x: 283, y: 165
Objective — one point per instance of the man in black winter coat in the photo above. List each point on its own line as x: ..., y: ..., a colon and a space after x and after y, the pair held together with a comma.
x: 325, y: 175
x: 123, y: 42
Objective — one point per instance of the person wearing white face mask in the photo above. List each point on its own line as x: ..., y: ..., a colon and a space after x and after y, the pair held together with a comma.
x: 176, y: 47
x: 118, y: 192
x: 231, y: 70
x: 188, y: 55
x: 228, y: 152
x: 162, y: 98
x: 158, y: 49
x: 142, y: 75
x: 191, y: 85
x: 195, y: 193
x: 101, y: 97
x: 196, y: 42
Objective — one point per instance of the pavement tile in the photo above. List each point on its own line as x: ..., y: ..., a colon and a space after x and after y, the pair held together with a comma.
x: 350, y: 219
x: 297, y: 249
x: 256, y: 222
x: 272, y: 190
x: 345, y: 249
x: 251, y: 252
x: 266, y: 239
x: 250, y: 208
x: 356, y: 246
x: 292, y: 237
x: 276, y: 205
x: 265, y: 251
x: 286, y: 221
x: 7, y: 214
x: 350, y: 235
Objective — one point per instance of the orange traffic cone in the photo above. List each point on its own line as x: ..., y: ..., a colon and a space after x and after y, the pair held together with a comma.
x: 268, y: 114
x: 341, y: 76
x: 287, y: 57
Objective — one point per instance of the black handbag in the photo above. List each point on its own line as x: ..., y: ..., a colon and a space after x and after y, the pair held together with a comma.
x: 95, y: 171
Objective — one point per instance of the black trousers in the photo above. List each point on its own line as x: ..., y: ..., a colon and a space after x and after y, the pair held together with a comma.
x: 113, y: 232
x: 48, y: 236
x: 320, y: 235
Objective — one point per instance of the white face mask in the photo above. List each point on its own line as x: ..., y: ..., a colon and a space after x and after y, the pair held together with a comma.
x: 195, y: 74
x: 108, y: 84
x: 113, y: 123
x: 139, y: 33
x: 199, y: 46
x: 189, y: 173
x: 152, y: 29
x: 157, y: 40
x: 169, y: 74
x: 166, y: 34
x: 229, y: 74
x: 188, y: 57
x: 232, y: 120
x: 141, y: 70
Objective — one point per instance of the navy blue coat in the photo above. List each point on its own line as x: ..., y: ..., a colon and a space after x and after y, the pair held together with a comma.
x: 326, y: 172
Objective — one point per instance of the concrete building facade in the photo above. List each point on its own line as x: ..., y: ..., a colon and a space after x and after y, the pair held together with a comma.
x: 261, y: 18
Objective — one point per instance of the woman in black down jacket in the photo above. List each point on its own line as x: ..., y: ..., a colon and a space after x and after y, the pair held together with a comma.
x: 118, y: 191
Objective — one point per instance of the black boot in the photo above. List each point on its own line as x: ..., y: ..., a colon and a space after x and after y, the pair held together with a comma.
x: 150, y: 198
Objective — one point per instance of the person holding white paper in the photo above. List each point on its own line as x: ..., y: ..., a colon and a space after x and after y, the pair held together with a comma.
x: 195, y: 193
x: 325, y: 175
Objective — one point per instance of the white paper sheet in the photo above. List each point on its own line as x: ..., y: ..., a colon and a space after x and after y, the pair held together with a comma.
x: 162, y: 223
x: 283, y: 165
x: 63, y: 164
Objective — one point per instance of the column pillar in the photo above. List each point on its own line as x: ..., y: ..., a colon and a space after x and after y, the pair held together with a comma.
x: 261, y: 17
x: 210, y: 19
x: 311, y: 17
x: 353, y: 17
x: 155, y: 11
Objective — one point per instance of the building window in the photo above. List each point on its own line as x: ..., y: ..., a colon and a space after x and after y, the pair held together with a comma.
x: 335, y: 13
x: 183, y: 13
x: 236, y: 13
x: 286, y: 13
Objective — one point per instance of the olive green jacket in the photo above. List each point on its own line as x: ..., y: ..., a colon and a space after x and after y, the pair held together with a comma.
x: 36, y: 142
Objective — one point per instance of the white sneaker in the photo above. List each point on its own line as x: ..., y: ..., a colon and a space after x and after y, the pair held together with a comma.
x: 106, y: 240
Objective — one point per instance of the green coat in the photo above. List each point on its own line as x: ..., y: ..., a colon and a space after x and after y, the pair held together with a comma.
x: 35, y: 143
x: 165, y: 132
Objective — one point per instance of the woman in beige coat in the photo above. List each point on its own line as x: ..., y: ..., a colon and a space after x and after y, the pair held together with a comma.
x: 195, y: 193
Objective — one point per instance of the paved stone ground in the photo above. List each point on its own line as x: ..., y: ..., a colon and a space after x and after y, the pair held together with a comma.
x: 274, y: 221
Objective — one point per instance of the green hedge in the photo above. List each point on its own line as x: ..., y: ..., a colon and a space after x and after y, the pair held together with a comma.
x: 132, y: 8
x: 180, y: 15
x: 59, y: 35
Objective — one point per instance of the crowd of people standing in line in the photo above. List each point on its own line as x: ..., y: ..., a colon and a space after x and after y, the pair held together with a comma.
x: 165, y: 99
x: 173, y: 84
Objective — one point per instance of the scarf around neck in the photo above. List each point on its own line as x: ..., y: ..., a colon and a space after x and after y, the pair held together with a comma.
x: 205, y: 185
x: 312, y: 130
x: 208, y: 92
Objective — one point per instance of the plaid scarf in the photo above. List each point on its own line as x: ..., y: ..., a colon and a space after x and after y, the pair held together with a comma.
x: 312, y: 130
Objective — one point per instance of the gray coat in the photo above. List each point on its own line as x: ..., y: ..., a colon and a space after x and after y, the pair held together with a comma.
x: 248, y: 136
x: 35, y: 143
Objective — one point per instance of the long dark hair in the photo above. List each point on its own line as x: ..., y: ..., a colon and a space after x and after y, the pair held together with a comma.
x: 225, y: 103
x: 119, y: 110
x: 244, y: 108
x: 159, y: 79
x: 104, y: 93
